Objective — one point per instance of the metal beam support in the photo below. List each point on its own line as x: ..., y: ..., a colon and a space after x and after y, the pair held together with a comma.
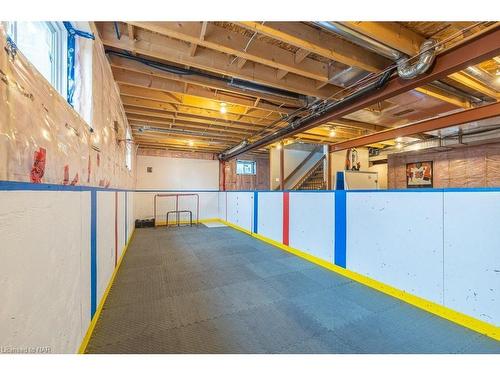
x: 476, y: 114
x: 474, y: 51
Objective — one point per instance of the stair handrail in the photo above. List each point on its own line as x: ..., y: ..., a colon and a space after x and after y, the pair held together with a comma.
x: 309, y: 173
x: 301, y: 164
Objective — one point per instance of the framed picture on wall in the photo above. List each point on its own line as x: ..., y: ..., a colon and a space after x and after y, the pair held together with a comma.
x: 419, y: 174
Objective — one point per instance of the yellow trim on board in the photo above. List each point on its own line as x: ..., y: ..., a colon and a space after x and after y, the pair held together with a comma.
x: 90, y: 330
x: 467, y: 321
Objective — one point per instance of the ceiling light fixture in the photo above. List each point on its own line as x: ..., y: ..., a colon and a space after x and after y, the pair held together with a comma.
x: 223, y: 108
x: 399, y: 139
x: 191, y: 143
x: 278, y: 147
x: 399, y: 146
x: 333, y: 133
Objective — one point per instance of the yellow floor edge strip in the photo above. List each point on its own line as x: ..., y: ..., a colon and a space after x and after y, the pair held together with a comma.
x: 467, y: 321
x: 90, y: 330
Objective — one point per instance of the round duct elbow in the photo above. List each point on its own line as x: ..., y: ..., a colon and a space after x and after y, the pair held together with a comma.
x: 426, y: 58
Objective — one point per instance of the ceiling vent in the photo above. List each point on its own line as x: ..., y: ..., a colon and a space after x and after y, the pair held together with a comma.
x: 402, y: 113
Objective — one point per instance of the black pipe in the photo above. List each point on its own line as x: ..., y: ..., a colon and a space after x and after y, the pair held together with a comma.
x: 239, y: 83
x: 117, y: 31
x: 307, y: 120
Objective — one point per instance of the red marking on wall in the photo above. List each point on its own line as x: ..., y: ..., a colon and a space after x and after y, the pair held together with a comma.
x: 89, y: 169
x: 98, y: 160
x: 108, y: 182
x: 116, y: 227
x: 101, y: 183
x: 286, y: 217
x: 38, y: 168
x: 75, y: 179
x: 66, y: 175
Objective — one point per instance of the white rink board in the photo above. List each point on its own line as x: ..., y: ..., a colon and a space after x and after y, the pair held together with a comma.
x: 270, y: 215
x: 105, y: 236
x: 45, y: 263
x: 121, y: 222
x: 397, y: 238
x: 144, y: 204
x: 240, y: 209
x: 472, y: 254
x: 222, y: 205
x: 312, y: 223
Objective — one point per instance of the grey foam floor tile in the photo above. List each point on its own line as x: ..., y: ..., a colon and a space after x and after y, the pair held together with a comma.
x: 217, y: 290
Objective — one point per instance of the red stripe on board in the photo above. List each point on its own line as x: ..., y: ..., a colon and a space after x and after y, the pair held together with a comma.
x: 286, y: 217
x: 116, y: 227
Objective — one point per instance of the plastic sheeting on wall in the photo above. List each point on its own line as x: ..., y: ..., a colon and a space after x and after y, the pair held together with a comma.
x: 36, y: 120
x: 472, y: 166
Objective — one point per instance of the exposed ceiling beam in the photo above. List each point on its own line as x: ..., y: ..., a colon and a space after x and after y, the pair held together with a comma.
x: 141, y: 76
x: 158, y: 114
x: 143, y: 120
x: 233, y: 43
x: 158, y: 105
x: 455, y: 119
x: 480, y: 48
x: 190, y: 101
x: 317, y: 41
x: 206, y: 83
x: 407, y: 41
x: 165, y: 48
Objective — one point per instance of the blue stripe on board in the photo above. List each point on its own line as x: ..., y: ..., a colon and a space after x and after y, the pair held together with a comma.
x: 340, y: 228
x: 93, y: 253
x: 19, y: 185
x: 126, y: 219
x: 255, y: 211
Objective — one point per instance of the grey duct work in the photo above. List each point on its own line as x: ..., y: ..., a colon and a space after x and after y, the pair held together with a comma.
x: 405, y: 69
x: 425, y: 59
x: 306, y: 120
x: 360, y: 39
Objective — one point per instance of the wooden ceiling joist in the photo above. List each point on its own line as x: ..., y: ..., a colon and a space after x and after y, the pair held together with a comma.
x: 130, y: 109
x: 137, y: 74
x: 407, y: 41
x: 168, y: 49
x: 233, y: 43
x: 319, y: 42
x: 214, y: 115
x: 193, y: 102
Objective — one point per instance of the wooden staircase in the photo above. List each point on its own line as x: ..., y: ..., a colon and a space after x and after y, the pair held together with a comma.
x: 314, y: 179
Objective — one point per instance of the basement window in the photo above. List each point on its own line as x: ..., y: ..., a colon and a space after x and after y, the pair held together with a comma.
x: 246, y: 167
x: 44, y: 44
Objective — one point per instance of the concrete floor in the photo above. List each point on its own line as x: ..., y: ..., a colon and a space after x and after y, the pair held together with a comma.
x: 217, y: 290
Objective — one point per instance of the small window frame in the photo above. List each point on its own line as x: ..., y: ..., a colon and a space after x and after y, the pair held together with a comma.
x: 57, y: 54
x: 246, y: 162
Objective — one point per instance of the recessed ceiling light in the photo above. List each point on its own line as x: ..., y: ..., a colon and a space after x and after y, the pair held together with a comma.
x: 278, y: 147
x: 190, y: 143
x: 333, y: 133
x: 399, y: 146
x: 399, y: 139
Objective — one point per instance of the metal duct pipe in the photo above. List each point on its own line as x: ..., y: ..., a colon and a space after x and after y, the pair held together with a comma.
x: 483, y: 77
x: 405, y: 69
x: 301, y: 123
x: 425, y: 59
x: 237, y: 83
x: 360, y: 39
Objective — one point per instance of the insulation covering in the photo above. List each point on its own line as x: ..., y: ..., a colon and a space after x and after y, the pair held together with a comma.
x: 470, y: 166
x: 39, y: 130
